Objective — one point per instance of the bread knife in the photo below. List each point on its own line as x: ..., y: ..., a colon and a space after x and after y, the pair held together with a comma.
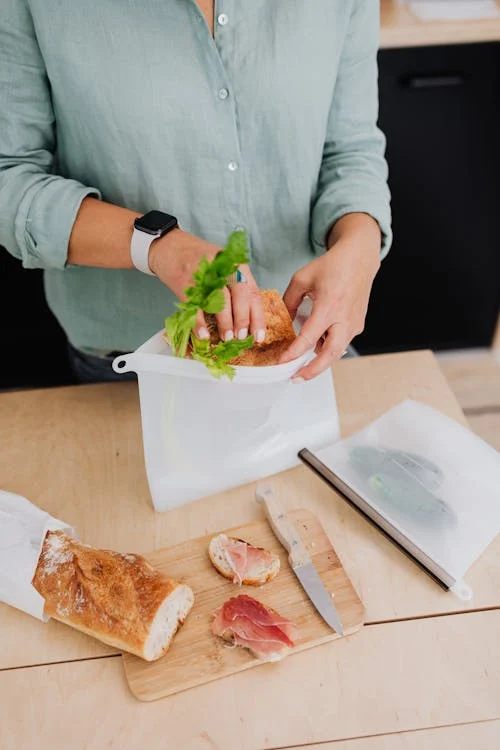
x: 299, y: 558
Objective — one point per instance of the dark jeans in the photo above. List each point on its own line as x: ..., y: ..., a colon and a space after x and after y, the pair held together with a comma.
x: 89, y: 369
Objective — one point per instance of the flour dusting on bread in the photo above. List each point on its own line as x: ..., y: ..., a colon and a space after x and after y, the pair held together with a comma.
x: 56, y: 553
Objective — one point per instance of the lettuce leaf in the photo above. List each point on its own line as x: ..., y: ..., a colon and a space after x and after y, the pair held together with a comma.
x: 206, y: 294
x: 217, y: 358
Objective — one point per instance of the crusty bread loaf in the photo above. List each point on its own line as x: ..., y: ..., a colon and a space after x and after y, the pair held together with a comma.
x: 280, y: 333
x: 263, y: 567
x: 118, y: 599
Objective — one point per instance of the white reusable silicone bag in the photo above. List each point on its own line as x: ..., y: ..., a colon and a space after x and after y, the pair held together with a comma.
x: 203, y: 435
x: 432, y: 478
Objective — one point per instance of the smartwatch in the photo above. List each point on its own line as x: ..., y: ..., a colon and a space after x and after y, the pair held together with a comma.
x: 148, y: 228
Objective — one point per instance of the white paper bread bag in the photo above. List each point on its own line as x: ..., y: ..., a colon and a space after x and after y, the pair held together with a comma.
x: 23, y: 527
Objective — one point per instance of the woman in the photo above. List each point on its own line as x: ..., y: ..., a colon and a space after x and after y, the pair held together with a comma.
x: 217, y: 113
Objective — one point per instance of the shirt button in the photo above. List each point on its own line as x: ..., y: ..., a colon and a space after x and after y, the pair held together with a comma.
x: 223, y: 94
x: 222, y: 19
x: 232, y: 166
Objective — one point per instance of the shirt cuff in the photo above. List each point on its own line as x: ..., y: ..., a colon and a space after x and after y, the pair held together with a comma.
x: 45, y: 219
x: 325, y: 216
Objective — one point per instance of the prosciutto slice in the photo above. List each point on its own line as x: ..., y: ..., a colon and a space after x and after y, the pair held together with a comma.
x: 247, y: 622
x: 242, y: 557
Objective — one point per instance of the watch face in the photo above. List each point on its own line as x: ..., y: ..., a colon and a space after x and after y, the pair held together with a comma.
x: 155, y: 222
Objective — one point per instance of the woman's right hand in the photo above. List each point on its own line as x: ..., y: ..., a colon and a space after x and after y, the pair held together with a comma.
x: 175, y: 257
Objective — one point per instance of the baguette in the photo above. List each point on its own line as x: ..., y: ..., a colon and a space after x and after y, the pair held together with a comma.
x: 280, y: 333
x: 119, y: 599
x: 241, y: 561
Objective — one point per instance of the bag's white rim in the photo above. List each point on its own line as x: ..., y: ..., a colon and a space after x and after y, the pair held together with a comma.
x: 142, y: 361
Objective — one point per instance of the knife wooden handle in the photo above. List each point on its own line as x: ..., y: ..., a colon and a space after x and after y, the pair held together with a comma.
x: 283, y: 528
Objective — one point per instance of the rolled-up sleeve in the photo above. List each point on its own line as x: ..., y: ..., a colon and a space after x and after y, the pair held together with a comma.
x: 37, y: 207
x: 353, y: 175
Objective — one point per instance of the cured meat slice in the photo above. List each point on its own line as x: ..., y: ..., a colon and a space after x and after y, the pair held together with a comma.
x: 247, y: 622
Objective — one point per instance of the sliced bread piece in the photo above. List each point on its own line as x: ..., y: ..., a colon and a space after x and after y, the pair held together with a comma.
x: 280, y: 333
x: 241, y: 561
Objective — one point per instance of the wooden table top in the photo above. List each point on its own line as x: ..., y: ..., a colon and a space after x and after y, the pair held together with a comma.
x: 475, y: 736
x: 424, y: 659
x: 399, y: 27
x: 395, y: 677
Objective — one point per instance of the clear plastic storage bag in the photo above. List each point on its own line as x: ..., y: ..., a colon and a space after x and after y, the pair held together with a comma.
x: 203, y: 435
x: 429, y: 482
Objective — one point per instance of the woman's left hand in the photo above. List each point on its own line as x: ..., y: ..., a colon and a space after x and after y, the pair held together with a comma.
x: 339, y: 284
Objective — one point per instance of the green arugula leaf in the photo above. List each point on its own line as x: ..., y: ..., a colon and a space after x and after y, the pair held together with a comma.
x: 206, y: 294
x: 216, y: 358
x: 179, y: 329
x: 214, y: 302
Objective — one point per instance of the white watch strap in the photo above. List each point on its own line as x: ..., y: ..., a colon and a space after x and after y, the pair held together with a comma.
x: 139, y: 250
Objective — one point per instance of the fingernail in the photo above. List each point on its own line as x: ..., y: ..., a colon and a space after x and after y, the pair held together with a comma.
x: 297, y: 381
x: 260, y: 335
x: 228, y: 336
x: 242, y: 333
x: 203, y: 333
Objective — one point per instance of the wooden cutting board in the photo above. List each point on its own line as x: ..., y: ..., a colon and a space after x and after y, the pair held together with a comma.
x: 196, y: 656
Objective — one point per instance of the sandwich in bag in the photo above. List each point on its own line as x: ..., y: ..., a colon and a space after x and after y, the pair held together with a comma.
x: 206, y: 294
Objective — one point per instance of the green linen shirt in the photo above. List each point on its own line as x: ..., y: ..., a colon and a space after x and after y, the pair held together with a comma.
x: 271, y: 125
